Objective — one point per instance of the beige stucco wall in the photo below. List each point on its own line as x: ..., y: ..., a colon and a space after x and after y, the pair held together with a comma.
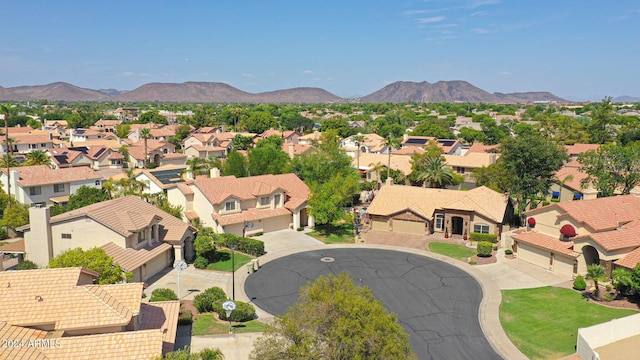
x: 203, y: 208
x: 547, y: 222
x: 566, y: 194
x: 85, y: 233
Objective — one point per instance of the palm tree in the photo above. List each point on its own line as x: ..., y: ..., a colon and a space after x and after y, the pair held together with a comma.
x: 196, y: 166
x: 145, y: 134
x: 5, y: 111
x: 377, y: 167
x: 236, y: 112
x: 38, y: 157
x: 390, y: 142
x: 436, y: 173
x: 596, y: 273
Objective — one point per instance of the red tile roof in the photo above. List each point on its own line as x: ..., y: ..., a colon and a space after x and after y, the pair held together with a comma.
x: 44, y: 175
x: 615, y: 239
x: 630, y: 260
x: 546, y: 242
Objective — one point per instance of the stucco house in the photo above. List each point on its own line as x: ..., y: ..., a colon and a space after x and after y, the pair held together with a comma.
x: 245, y: 205
x: 206, y: 145
x: 160, y: 179
x: 566, y: 237
x: 40, y: 184
x: 62, y: 314
x: 423, y: 211
x: 140, y: 237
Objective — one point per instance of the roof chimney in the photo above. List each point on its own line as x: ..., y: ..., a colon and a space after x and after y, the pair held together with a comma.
x: 635, y: 191
x: 214, y: 172
x: 590, y: 193
x: 292, y: 150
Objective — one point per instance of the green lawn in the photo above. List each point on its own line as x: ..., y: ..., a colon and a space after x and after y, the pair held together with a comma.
x: 206, y: 324
x: 223, y: 261
x: 339, y: 234
x: 451, y: 250
x: 543, y: 322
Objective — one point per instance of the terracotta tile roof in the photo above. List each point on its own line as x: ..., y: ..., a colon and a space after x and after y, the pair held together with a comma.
x: 23, y: 138
x: 572, y: 177
x: 546, y: 242
x: 398, y: 162
x: 162, y: 132
x: 217, y: 190
x: 410, y: 150
x: 471, y: 160
x: 20, y: 335
x: 125, y: 216
x: 191, y: 215
x: 630, y: 260
x: 481, y: 148
x: 13, y: 247
x: 130, y: 259
x: 162, y: 315
x: 297, y: 148
x: 18, y: 130
x: 134, y: 345
x: 153, y: 144
x: 44, y: 175
x: 603, y: 213
x: 105, y: 122
x: 63, y: 156
x: 63, y: 277
x: 185, y: 189
x: 424, y: 201
x: 111, y: 144
x: 207, y: 148
x: 615, y: 239
x: 577, y: 149
x: 250, y: 215
x: 173, y: 156
x: 116, y: 156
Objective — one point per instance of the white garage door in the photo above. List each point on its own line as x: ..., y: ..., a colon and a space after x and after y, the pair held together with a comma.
x: 276, y: 223
x: 409, y: 227
x: 157, y: 264
x: 563, y: 265
x: 381, y: 225
x: 533, y: 255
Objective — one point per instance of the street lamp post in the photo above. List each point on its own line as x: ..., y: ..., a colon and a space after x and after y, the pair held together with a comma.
x: 179, y: 265
x: 233, y: 273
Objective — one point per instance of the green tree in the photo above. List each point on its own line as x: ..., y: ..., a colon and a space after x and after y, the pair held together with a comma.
x: 145, y: 134
x: 37, y: 157
x: 15, y: 216
x: 612, y: 168
x: 236, y: 164
x: 427, y: 128
x: 86, y: 195
x: 493, y: 176
x: 531, y: 162
x: 123, y: 130
x: 267, y: 159
x: 493, y: 133
x: 152, y: 117
x: 436, y: 173
x: 601, y: 119
x: 95, y: 259
x: 259, y: 122
x: 596, y: 273
x: 334, y: 319
x: 186, y: 354
x: 340, y: 125
x: 241, y: 142
x: 471, y: 135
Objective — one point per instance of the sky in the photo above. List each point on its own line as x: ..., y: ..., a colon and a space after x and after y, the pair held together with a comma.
x: 575, y: 49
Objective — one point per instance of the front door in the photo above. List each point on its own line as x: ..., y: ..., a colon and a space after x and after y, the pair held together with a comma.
x: 456, y: 225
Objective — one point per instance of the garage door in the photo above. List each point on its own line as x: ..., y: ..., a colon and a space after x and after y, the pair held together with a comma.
x: 563, y: 266
x: 533, y: 255
x: 157, y: 264
x: 276, y: 223
x: 381, y: 225
x: 409, y: 227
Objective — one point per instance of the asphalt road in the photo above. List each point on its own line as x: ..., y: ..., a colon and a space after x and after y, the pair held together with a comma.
x: 436, y: 303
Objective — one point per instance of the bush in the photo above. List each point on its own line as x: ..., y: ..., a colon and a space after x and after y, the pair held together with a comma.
x: 3, y: 233
x: 26, y: 265
x: 163, y: 294
x: 495, y: 247
x: 609, y: 296
x: 608, y: 287
x: 246, y: 245
x: 579, y: 283
x: 243, y: 311
x: 484, y: 248
x: 473, y: 262
x: 508, y: 252
x: 493, y: 238
x: 185, y: 317
x: 300, y: 229
x: 200, y: 262
x: 204, y: 302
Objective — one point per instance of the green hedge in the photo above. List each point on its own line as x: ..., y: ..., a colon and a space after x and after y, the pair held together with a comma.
x: 484, y: 248
x: 493, y: 238
x: 27, y: 265
x: 579, y: 283
x: 246, y: 245
x: 163, y: 294
x: 204, y: 301
x: 243, y: 311
x: 185, y: 317
x: 200, y: 262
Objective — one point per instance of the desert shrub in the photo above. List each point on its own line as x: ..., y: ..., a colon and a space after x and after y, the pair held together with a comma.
x: 579, y: 283
x: 608, y: 296
x: 200, y: 262
x: 484, y: 248
x: 608, y: 287
x: 495, y: 247
x: 508, y: 252
x: 493, y: 238
x: 204, y: 302
x: 473, y: 262
x: 243, y: 311
x: 163, y: 294
x: 26, y: 265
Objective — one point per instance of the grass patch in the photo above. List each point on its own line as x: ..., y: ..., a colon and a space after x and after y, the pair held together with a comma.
x: 337, y: 234
x: 451, y: 250
x: 207, y: 324
x: 223, y: 261
x: 543, y: 322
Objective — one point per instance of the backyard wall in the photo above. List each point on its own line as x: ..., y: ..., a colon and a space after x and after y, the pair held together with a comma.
x: 593, y: 337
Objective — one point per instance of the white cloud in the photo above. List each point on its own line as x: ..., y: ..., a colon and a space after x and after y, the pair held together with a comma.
x: 479, y: 31
x: 308, y: 72
x: 477, y: 3
x: 429, y: 20
x: 506, y: 73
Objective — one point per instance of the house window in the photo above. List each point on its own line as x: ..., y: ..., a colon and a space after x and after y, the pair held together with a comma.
x: 97, y: 182
x: 264, y: 201
x: 555, y: 196
x: 439, y: 221
x: 43, y: 145
x: 141, y: 237
x: 153, y: 233
x: 230, y: 205
x: 276, y: 200
x: 33, y: 146
x: 481, y: 228
x: 66, y: 236
x: 58, y: 188
x: 460, y: 170
x: 35, y: 190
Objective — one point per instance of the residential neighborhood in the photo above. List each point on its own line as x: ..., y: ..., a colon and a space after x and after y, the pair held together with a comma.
x: 215, y: 201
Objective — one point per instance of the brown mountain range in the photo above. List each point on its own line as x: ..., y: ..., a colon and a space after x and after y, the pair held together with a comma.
x: 214, y: 92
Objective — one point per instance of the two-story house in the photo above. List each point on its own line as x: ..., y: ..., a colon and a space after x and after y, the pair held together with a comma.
x: 207, y: 145
x: 245, y: 205
x: 42, y: 185
x: 140, y: 237
x: 24, y: 143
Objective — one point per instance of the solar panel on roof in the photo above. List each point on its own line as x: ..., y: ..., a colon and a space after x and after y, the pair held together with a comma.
x: 82, y: 149
x: 416, y: 141
x: 446, y: 142
x: 79, y: 131
x: 168, y: 176
x: 100, y: 152
x: 62, y: 159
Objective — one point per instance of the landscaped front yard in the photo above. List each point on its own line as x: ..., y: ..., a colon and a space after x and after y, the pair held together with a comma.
x: 223, y: 261
x: 207, y: 324
x: 543, y: 322
x: 451, y: 250
x: 336, y: 234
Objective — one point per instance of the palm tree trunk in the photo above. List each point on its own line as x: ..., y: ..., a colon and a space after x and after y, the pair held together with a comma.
x: 10, y: 152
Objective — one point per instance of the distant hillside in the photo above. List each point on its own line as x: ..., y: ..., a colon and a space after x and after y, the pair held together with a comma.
x: 215, y: 92
x: 450, y: 91
x: 626, y: 99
